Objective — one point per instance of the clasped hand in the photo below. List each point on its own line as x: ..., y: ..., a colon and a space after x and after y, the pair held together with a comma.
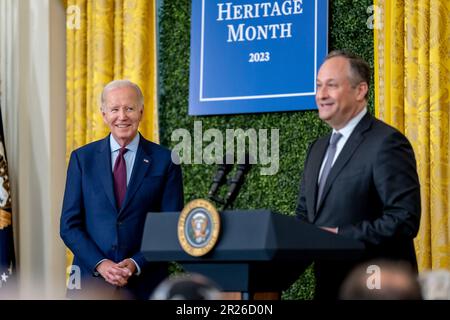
x: 117, y: 274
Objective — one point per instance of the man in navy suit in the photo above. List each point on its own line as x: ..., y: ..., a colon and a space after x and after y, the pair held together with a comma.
x: 111, y: 185
x: 368, y: 189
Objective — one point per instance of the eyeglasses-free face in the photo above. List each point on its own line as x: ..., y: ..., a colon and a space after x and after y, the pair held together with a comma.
x: 122, y: 113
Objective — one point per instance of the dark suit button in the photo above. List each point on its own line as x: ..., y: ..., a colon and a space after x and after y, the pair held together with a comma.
x: 119, y: 223
x: 114, y: 247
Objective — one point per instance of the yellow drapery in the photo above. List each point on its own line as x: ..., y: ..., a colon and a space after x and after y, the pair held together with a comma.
x: 106, y: 40
x: 412, y: 87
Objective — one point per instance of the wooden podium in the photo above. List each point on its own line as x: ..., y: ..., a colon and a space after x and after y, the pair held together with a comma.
x: 259, y: 253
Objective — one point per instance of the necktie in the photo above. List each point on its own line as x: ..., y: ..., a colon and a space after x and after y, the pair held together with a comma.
x: 120, y: 177
x: 328, y: 164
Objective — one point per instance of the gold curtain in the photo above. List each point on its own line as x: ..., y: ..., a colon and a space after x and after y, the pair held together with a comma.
x: 106, y: 40
x: 412, y: 86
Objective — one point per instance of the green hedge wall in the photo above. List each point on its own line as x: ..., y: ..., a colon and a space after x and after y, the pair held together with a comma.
x: 278, y: 192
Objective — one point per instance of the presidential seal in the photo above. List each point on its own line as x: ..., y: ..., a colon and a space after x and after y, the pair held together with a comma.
x: 198, y: 227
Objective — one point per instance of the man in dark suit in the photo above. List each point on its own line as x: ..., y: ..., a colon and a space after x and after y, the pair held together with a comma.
x: 360, y: 181
x: 111, y: 185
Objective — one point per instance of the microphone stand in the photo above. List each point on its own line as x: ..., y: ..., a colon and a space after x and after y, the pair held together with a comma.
x: 235, y: 183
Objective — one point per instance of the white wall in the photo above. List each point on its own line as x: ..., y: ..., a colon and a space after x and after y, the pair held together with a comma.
x: 32, y: 69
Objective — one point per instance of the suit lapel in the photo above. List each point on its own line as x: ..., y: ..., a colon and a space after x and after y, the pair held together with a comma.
x: 141, y: 167
x: 346, y: 153
x: 103, y: 166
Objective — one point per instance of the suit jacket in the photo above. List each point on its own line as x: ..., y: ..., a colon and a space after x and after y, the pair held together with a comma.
x: 372, y: 192
x: 94, y: 229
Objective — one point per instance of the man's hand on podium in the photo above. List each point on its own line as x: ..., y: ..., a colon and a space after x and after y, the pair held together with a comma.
x: 332, y: 230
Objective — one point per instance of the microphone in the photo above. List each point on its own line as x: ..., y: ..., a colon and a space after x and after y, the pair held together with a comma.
x: 220, y: 177
x: 237, y: 181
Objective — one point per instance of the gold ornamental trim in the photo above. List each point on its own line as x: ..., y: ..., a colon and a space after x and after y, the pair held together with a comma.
x: 198, y: 227
x: 5, y: 219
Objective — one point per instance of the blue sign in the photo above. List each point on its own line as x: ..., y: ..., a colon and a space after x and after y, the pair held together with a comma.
x: 256, y: 56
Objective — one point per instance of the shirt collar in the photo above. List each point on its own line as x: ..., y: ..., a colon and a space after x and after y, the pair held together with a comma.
x: 350, y: 126
x: 132, y: 146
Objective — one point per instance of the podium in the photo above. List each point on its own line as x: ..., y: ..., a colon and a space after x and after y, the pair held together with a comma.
x: 257, y: 250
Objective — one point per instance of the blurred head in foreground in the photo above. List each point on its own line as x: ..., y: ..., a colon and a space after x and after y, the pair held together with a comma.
x: 381, y: 280
x: 435, y: 284
x: 187, y: 287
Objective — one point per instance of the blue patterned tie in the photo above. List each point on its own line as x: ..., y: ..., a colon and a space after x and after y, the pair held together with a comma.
x: 328, y: 164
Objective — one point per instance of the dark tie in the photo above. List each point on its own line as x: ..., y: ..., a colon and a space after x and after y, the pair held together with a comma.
x: 328, y: 164
x: 120, y: 177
